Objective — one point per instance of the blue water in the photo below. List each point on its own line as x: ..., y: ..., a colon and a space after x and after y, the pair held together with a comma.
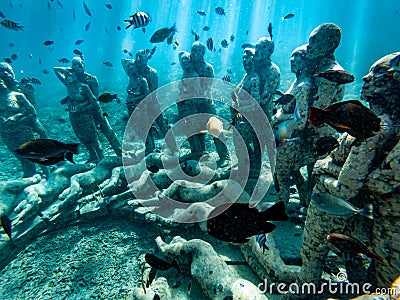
x: 369, y: 27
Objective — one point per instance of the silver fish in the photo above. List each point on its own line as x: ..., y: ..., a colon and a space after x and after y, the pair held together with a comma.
x: 337, y: 206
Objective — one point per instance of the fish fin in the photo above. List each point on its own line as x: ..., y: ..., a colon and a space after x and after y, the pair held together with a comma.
x: 227, y: 131
x: 316, y: 116
x: 174, y: 27
x: 69, y: 156
x: 368, y: 211
x: 276, y: 212
x: 267, y: 227
x: 144, y: 30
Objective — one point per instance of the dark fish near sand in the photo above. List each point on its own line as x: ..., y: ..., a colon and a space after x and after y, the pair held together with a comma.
x: 78, y: 42
x: 107, y: 98
x: 138, y: 20
x: 284, y: 99
x: 46, y: 151
x: 339, y: 207
x: 226, y: 78
x: 6, y: 224
x: 238, y: 222
x: 337, y: 76
x: 210, y: 44
x: 270, y: 30
x: 201, y: 13
x: 63, y: 60
x: 325, y: 145
x: 159, y: 263
x: 351, y: 245
x: 288, y: 16
x: 161, y: 34
x: 87, y: 10
x: 220, y: 11
x: 347, y: 116
x: 108, y: 5
x: 11, y: 25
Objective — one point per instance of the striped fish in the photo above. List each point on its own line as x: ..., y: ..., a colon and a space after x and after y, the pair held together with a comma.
x: 140, y: 19
x: 11, y: 25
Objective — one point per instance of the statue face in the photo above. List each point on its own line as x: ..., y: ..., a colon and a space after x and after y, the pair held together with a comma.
x: 7, y: 73
x: 141, y: 58
x: 78, y: 66
x: 197, y: 52
x: 248, y: 59
x: 264, y: 49
x: 297, y: 61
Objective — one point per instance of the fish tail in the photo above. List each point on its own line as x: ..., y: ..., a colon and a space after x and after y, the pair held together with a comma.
x: 129, y: 25
x: 368, y: 211
x: 276, y: 212
x: 316, y: 116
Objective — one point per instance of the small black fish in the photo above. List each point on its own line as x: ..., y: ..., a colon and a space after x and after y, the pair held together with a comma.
x: 119, y: 28
x: 25, y: 80
x: 73, y: 14
x: 220, y: 11
x: 210, y: 44
x: 107, y: 97
x: 173, y: 63
x: 244, y: 46
x: 28, y: 87
x: 105, y: 114
x: 2, y: 15
x: 347, y: 116
x: 288, y: 16
x: 237, y: 222
x: 77, y: 52
x: 46, y: 71
x: 87, y: 10
x: 270, y: 30
x: 232, y: 38
x: 201, y: 13
x: 6, y: 224
x: 63, y: 60
x: 60, y: 4
x: 108, y: 5
x: 247, y: 32
x: 8, y: 60
x: 45, y: 151
x: 87, y: 27
x: 14, y: 56
x: 78, y: 42
x: 284, y: 99
x: 325, y: 145
x: 224, y: 43
x: 39, y: 61
x: 153, y: 169
x: 48, y: 43
x: 159, y: 263
x: 108, y: 64
x: 11, y: 25
x: 206, y: 28
x: 11, y: 44
x: 337, y: 76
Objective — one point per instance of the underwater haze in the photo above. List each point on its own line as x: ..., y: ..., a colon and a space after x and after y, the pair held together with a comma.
x: 369, y: 31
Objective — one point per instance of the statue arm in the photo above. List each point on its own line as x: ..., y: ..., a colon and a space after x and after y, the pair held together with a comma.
x: 62, y: 73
